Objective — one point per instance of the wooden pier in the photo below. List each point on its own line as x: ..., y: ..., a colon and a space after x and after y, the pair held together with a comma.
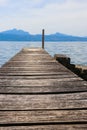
x: 38, y: 93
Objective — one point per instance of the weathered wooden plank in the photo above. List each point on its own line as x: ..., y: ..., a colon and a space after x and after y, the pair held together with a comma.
x: 39, y: 73
x: 22, y: 55
x: 51, y: 116
x: 58, y: 68
x: 29, y: 66
x: 60, y: 87
x: 36, y: 73
x: 38, y: 77
x: 32, y: 58
x: 48, y: 101
x: 33, y: 73
x: 47, y: 127
x: 41, y: 52
x: 31, y: 61
x: 32, y: 50
x: 36, y: 82
x: 22, y: 63
x: 32, y: 55
x: 36, y: 67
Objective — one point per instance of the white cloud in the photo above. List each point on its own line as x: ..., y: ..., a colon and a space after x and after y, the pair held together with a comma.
x: 3, y: 2
x: 66, y: 16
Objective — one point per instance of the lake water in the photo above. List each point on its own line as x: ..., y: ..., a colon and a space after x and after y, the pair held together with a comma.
x: 77, y: 51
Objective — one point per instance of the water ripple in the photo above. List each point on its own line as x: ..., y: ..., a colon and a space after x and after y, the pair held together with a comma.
x: 77, y: 51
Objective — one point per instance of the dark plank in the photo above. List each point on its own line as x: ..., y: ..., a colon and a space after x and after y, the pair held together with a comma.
x: 51, y: 116
x: 38, y: 77
x: 53, y: 101
x: 33, y: 73
x: 48, y: 127
x: 59, y: 87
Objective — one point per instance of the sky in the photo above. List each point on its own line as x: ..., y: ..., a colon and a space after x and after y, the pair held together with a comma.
x: 64, y: 16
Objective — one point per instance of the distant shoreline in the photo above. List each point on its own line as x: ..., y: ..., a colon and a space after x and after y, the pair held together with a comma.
x: 41, y: 41
x: 23, y: 36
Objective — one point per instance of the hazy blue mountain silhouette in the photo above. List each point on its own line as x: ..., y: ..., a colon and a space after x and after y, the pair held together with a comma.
x: 15, y: 31
x: 20, y: 35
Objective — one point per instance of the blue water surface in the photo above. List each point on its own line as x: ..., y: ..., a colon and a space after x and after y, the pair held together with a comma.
x: 77, y: 51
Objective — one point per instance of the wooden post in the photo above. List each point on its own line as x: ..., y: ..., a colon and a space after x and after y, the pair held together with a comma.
x: 43, y: 38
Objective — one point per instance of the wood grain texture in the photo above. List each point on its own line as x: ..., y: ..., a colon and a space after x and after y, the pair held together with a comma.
x: 29, y: 63
x: 51, y: 116
x: 53, y: 101
x: 59, y: 87
x: 36, y: 82
x: 39, y: 76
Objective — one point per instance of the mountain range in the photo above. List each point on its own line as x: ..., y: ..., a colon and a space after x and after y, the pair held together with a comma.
x: 20, y: 35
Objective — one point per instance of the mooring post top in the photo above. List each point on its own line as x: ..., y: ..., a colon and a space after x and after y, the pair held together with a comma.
x: 42, y: 29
